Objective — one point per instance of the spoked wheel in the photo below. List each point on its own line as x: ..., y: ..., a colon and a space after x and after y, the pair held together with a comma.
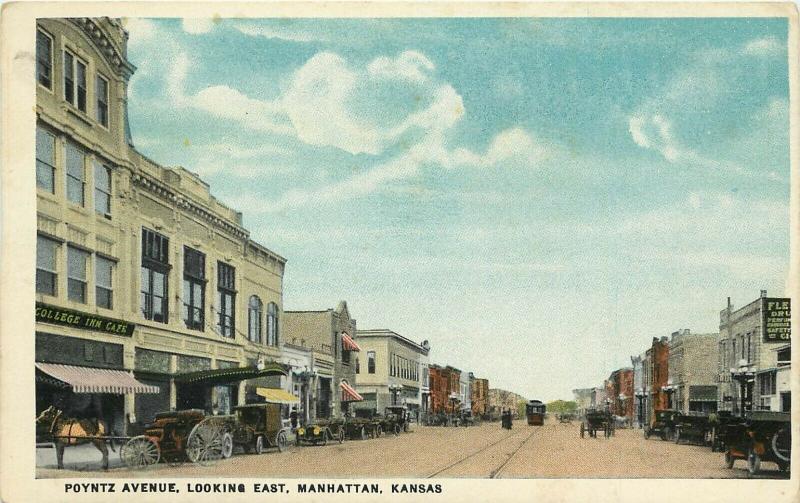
x: 583, y: 430
x: 378, y: 431
x: 782, y: 446
x: 340, y: 435
x: 208, y: 442
x: 260, y: 447
x: 139, y: 452
x: 729, y: 460
x: 281, y: 441
x: 753, y: 462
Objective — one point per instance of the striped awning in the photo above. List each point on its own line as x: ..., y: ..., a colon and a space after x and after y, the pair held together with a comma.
x: 349, y: 394
x: 92, y: 380
x: 274, y: 395
x: 349, y: 344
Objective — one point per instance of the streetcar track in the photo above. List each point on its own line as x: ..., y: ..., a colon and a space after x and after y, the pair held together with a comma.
x: 482, y: 449
x: 494, y: 474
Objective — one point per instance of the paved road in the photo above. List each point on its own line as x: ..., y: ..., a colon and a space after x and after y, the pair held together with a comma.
x: 551, y: 451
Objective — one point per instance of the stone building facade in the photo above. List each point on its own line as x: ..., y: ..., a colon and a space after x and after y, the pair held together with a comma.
x: 583, y: 399
x: 158, y: 272
x: 748, y: 363
x: 692, y: 382
x: 390, y: 370
x: 334, y: 362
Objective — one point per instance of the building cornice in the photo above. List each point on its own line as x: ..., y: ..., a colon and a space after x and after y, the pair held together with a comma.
x: 105, y: 46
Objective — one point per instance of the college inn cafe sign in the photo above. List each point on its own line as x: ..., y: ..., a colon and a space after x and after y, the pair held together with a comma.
x: 46, y: 313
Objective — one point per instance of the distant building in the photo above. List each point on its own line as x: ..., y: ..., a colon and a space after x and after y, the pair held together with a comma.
x: 480, y: 397
x: 748, y: 356
x: 692, y: 378
x: 445, y: 389
x: 639, y: 389
x: 465, y: 393
x: 500, y: 399
x: 657, y: 368
x: 583, y: 399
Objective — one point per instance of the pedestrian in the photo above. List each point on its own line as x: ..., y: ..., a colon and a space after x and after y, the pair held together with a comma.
x: 293, y: 418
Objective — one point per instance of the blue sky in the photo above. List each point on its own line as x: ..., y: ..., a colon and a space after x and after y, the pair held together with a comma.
x: 537, y: 197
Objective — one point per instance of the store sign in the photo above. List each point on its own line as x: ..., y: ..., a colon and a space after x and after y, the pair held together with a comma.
x: 46, y: 313
x: 776, y: 324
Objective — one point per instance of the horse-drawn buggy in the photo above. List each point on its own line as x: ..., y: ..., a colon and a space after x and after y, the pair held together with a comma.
x: 663, y: 425
x: 761, y: 436
x: 596, y: 420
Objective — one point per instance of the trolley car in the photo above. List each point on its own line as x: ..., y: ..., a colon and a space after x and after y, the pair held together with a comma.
x: 535, y: 411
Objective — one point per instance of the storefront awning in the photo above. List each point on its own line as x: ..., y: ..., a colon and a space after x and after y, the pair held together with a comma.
x: 274, y: 395
x: 92, y: 380
x: 349, y: 344
x: 231, y: 375
x: 349, y: 394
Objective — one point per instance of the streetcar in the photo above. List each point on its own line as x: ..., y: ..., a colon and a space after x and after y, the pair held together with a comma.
x: 535, y: 410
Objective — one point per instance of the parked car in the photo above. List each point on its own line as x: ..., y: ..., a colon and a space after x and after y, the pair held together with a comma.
x: 663, y: 425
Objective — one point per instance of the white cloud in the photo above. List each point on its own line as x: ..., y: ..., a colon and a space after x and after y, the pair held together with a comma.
x: 278, y: 33
x: 655, y: 132
x: 197, y: 26
x: 227, y: 103
x: 409, y: 65
x: 139, y: 30
x: 765, y: 46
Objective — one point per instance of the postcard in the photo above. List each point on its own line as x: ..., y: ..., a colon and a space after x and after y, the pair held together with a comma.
x: 398, y: 251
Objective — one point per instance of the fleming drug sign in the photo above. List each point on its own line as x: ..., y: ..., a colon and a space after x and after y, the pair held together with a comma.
x: 776, y: 323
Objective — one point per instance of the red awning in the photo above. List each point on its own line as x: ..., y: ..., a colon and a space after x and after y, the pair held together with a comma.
x: 349, y: 394
x: 92, y: 380
x: 349, y: 344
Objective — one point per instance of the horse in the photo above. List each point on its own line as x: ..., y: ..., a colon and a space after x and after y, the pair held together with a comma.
x: 68, y: 431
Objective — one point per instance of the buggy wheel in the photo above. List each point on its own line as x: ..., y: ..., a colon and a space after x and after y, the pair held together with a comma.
x: 281, y: 441
x: 753, y: 462
x: 208, y: 442
x: 363, y: 433
x: 260, y: 447
x: 140, y: 452
x: 582, y: 430
x: 729, y: 459
x: 340, y: 435
x: 378, y: 431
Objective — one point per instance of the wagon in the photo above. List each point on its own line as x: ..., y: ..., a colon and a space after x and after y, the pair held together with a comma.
x: 320, y: 432
x: 692, y: 427
x: 595, y: 420
x: 762, y: 436
x: 178, y: 436
x: 258, y: 427
x: 663, y: 425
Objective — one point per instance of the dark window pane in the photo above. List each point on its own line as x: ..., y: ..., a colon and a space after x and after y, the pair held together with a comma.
x: 44, y: 59
x: 45, y: 282
x: 104, y: 297
x: 80, y: 75
x: 76, y: 290
x: 69, y: 78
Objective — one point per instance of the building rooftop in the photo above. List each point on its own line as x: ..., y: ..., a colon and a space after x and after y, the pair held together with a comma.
x: 385, y: 332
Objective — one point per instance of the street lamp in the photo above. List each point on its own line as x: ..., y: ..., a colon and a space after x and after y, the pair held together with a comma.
x: 394, y: 388
x: 745, y: 376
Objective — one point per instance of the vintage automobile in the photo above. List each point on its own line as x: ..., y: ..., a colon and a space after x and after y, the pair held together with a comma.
x: 692, y: 427
x: 663, y: 425
x: 397, y: 419
x: 319, y: 432
x: 365, y: 421
x: 719, y: 423
x: 762, y: 436
x: 258, y: 427
x: 595, y: 420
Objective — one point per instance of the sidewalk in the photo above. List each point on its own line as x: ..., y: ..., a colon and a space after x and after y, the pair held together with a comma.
x: 80, y: 458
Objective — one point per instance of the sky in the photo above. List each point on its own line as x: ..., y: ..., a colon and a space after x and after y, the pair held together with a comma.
x: 538, y: 198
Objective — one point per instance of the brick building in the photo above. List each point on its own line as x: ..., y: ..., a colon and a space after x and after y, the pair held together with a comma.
x: 657, y: 368
x: 480, y: 397
x: 444, y: 385
x: 500, y: 399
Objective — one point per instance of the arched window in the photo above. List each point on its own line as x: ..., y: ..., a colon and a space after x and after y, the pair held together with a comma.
x: 272, y: 324
x: 255, y: 310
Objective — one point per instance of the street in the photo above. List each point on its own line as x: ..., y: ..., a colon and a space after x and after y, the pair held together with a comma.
x: 554, y: 450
